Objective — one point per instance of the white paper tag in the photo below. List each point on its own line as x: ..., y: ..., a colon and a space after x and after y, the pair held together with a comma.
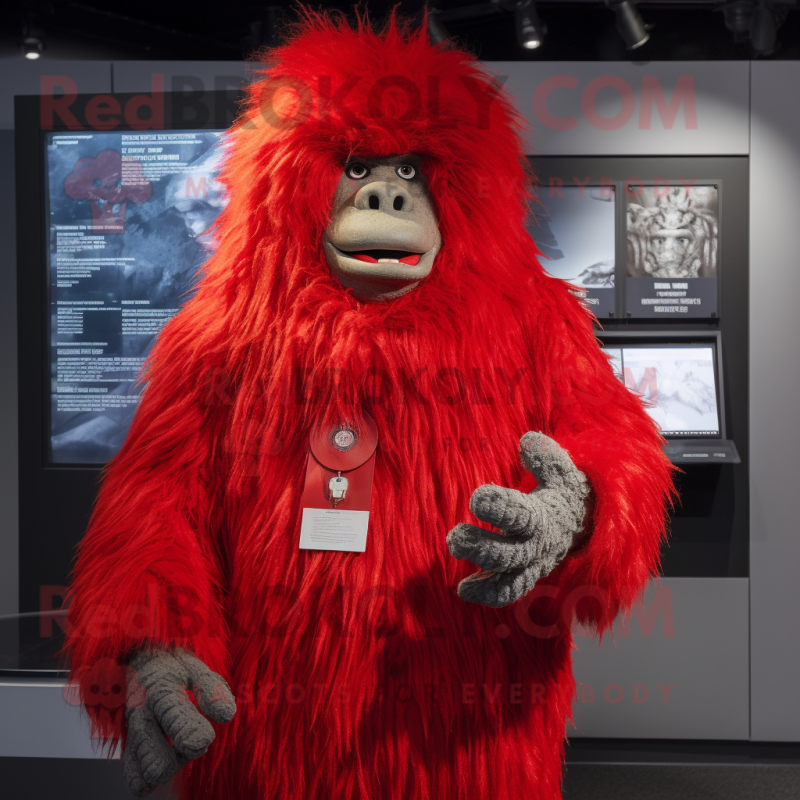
x: 334, y: 529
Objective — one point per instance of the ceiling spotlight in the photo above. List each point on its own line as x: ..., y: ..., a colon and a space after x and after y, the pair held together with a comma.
x: 738, y: 17
x: 630, y: 25
x: 32, y: 47
x: 437, y: 32
x: 530, y: 29
x: 763, y: 30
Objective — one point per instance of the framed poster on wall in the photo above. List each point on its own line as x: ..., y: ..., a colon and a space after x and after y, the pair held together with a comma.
x: 673, y: 250
x: 574, y: 228
x: 130, y: 219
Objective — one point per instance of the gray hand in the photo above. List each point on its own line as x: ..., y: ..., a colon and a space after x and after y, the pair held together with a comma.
x: 157, y: 704
x: 537, y: 529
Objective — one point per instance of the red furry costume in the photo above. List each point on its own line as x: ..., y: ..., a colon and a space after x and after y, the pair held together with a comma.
x: 365, y: 675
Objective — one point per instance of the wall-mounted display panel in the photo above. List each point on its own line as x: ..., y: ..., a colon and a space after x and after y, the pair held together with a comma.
x: 673, y: 252
x: 129, y: 216
x: 133, y: 247
x: 677, y: 383
x: 678, y: 375
x: 633, y: 248
x: 574, y: 228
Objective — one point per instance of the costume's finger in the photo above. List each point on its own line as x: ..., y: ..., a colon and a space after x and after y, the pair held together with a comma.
x: 132, y: 774
x: 548, y: 461
x: 166, y: 678
x: 189, y: 730
x: 491, y: 551
x: 512, y: 511
x: 497, y: 589
x: 211, y: 691
x: 156, y: 762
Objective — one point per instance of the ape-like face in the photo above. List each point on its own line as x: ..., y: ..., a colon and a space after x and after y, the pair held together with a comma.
x: 383, y: 236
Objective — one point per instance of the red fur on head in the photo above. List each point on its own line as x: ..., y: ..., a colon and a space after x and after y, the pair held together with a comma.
x: 330, y: 93
x: 334, y: 92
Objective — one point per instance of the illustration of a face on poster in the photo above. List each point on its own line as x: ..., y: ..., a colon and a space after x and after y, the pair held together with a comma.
x: 673, y: 232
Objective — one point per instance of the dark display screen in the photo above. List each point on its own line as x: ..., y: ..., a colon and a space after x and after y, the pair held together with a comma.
x: 129, y: 219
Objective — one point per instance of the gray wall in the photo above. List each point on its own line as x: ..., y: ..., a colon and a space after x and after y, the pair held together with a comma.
x: 775, y: 400
x: 608, y: 109
x: 676, y: 669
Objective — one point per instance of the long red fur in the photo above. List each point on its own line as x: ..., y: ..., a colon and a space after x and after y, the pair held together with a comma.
x: 364, y: 675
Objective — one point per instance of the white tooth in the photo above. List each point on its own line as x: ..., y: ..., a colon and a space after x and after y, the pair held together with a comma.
x: 388, y: 261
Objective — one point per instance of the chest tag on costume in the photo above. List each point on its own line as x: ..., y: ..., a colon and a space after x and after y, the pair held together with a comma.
x: 336, y: 497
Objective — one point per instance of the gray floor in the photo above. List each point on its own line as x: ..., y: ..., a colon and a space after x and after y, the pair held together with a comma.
x: 85, y: 779
x: 681, y: 782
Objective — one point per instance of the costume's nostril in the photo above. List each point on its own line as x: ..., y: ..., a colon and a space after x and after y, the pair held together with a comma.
x: 398, y: 203
x: 374, y: 202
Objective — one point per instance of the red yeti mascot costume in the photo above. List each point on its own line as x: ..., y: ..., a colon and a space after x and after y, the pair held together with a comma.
x: 398, y: 672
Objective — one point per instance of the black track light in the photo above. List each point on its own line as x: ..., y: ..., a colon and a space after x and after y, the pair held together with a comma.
x: 738, y: 17
x: 763, y: 30
x: 437, y: 32
x: 530, y: 29
x: 32, y: 47
x: 630, y: 25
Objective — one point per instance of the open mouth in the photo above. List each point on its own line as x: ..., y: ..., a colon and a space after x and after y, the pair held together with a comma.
x: 386, y: 257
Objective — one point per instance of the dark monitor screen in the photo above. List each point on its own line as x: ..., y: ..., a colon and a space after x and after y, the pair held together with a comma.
x: 129, y: 217
x: 678, y: 384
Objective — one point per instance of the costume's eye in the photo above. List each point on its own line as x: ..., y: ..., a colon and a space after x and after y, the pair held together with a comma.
x: 356, y: 171
x: 406, y: 171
